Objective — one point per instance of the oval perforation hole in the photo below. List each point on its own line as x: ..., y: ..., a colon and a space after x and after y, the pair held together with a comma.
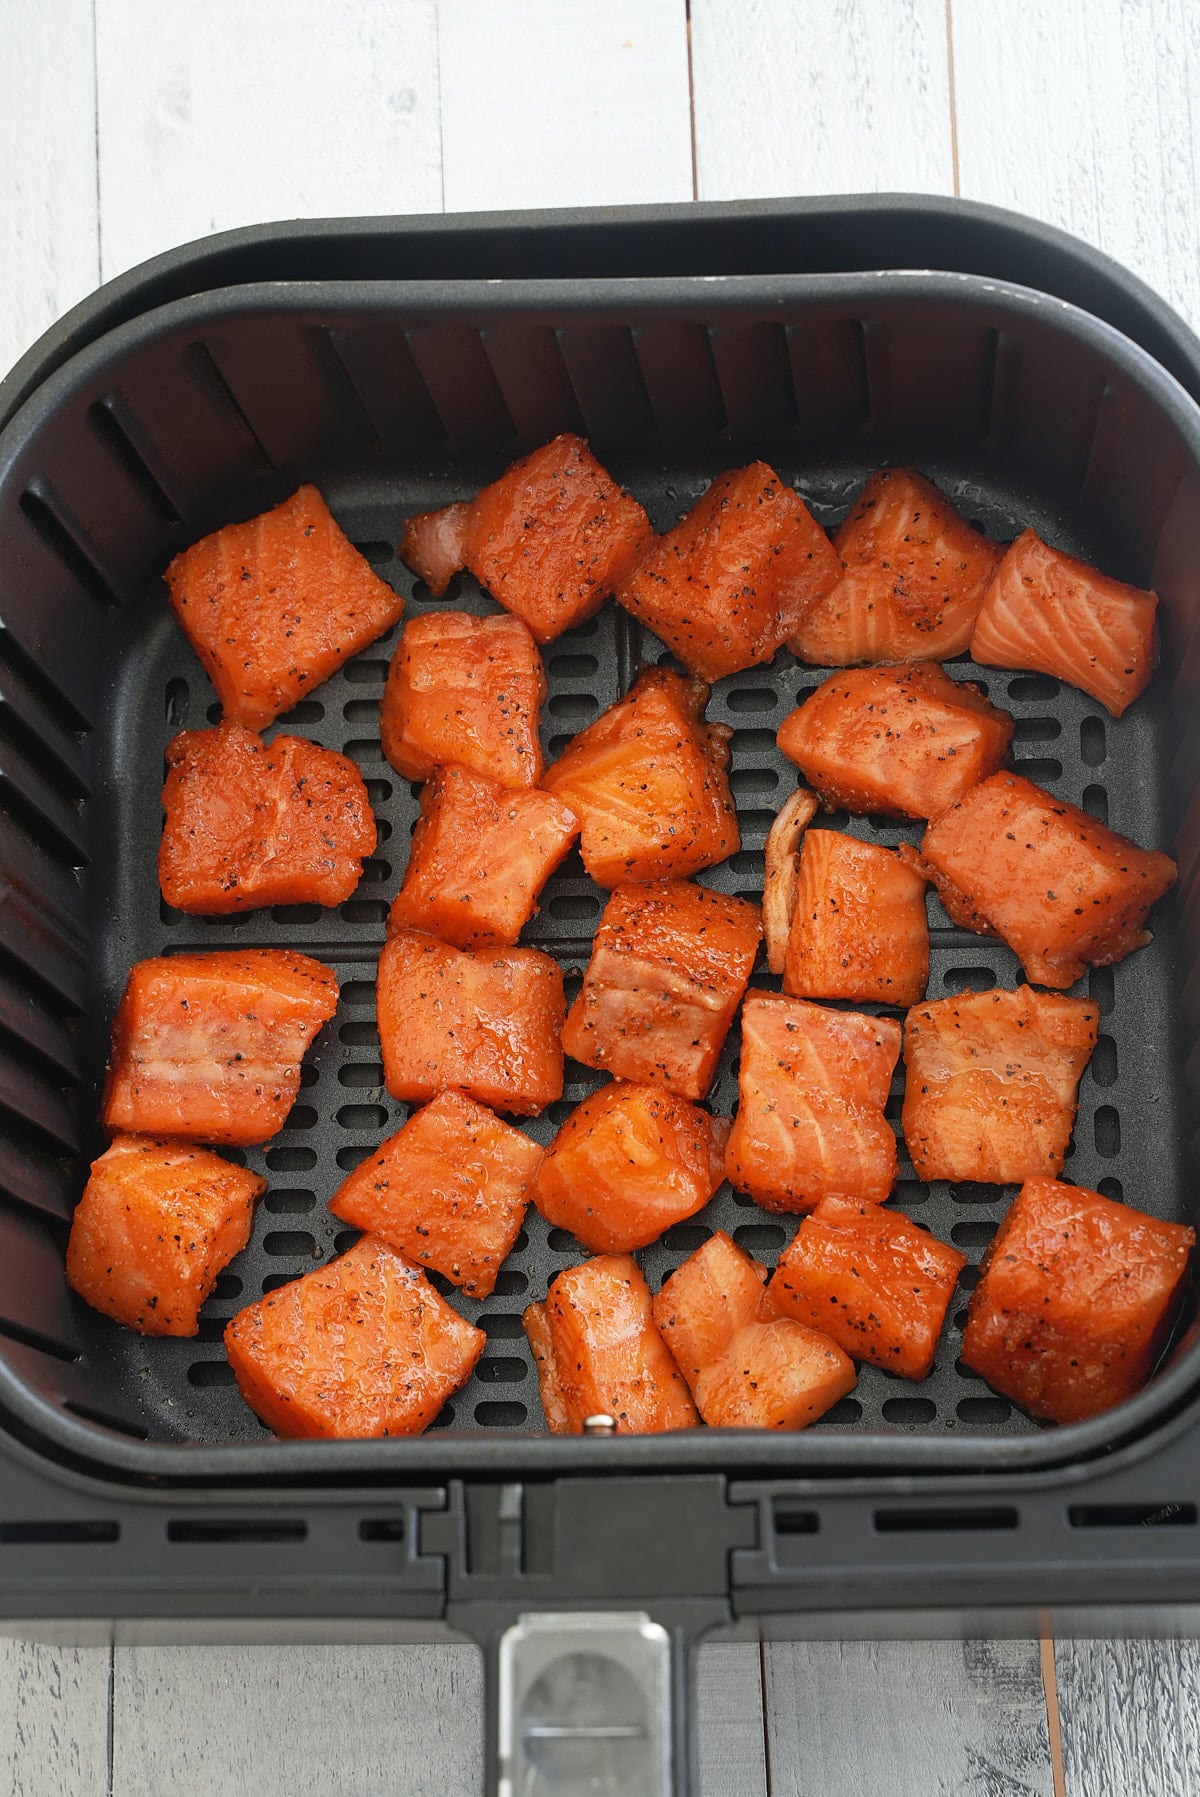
x: 210, y: 1372
x: 364, y: 749
x: 361, y: 711
x: 345, y: 1239
x: 504, y: 1328
x: 751, y: 780
x: 908, y: 1411
x: 306, y: 711
x: 228, y: 1286
x: 362, y: 1116
x: 753, y: 742
x: 1036, y: 730
x: 289, y: 1200
x: 444, y: 1418
x: 295, y: 913
x: 365, y: 910
x: 846, y: 1410
x: 752, y: 698
x: 291, y: 1160
x: 1095, y: 803
x: 1111, y: 1188
x: 1106, y: 1126
x: 359, y: 1074
x: 1039, y: 769
x: 509, y: 1282
x: 289, y: 1244
x: 359, y: 1035
x: 561, y: 1241
x: 1104, y: 1061
x: 912, y: 1191
x: 378, y: 791
x: 1093, y: 745
x: 350, y: 1158
x: 507, y: 1414
x: 573, y: 667
x: 976, y: 1233
x: 760, y: 1238
x: 573, y: 706
x: 969, y: 979
x: 573, y: 907
x: 175, y: 710
x: 971, y: 1193
x: 501, y: 1369
x: 1034, y: 686
x: 365, y: 673
x: 1102, y: 988
x: 983, y: 1412
x: 360, y: 994
x: 301, y: 1116
x: 684, y: 1238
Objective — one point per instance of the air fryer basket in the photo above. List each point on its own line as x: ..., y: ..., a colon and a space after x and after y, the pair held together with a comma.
x: 396, y: 399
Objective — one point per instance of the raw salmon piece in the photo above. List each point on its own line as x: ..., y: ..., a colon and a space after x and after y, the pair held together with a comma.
x: 858, y: 928
x: 903, y: 742
x: 915, y: 578
x: 155, y: 1225
x: 554, y: 536
x: 706, y: 1303
x: 209, y: 1046
x: 364, y: 1346
x: 812, y: 1086
x: 434, y: 545
x: 990, y: 1083
x: 627, y: 1163
x: 599, y: 1353
x: 670, y: 962
x: 249, y: 825
x: 466, y: 690
x: 736, y: 576
x: 1062, y: 890
x: 488, y: 1023
x: 1050, y: 613
x: 449, y: 1190
x: 1075, y: 1301
x: 872, y: 1280
x: 781, y: 872
x: 273, y: 607
x: 649, y: 781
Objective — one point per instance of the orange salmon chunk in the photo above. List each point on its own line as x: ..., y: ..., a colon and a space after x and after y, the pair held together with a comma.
x: 1075, y: 1300
x: 901, y: 742
x: 812, y: 1085
x: 649, y: 781
x: 488, y: 1023
x: 1064, y: 891
x: 364, y: 1346
x: 155, y: 1225
x: 858, y: 929
x: 466, y: 690
x: 736, y: 577
x: 915, y: 578
x: 1050, y: 613
x: 434, y: 545
x: 872, y: 1280
x: 670, y: 963
x: 275, y: 606
x: 628, y: 1162
x: 209, y: 1046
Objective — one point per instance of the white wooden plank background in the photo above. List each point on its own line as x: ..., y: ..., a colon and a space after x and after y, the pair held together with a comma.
x: 127, y: 126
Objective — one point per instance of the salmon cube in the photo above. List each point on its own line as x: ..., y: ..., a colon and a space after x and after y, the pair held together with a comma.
x: 1064, y: 891
x: 249, y: 825
x: 736, y: 576
x: 670, y: 962
x: 903, y: 742
x: 858, y: 930
x: 1075, y: 1301
x: 706, y: 1303
x: 915, y: 578
x: 599, y: 1354
x: 275, y: 606
x: 480, y: 855
x: 872, y: 1280
x: 209, y: 1046
x: 628, y: 1162
x: 649, y: 781
x: 362, y: 1347
x: 155, y: 1225
x: 487, y: 1022
x: 1050, y: 613
x: 466, y: 690
x: 812, y: 1085
x: 435, y: 545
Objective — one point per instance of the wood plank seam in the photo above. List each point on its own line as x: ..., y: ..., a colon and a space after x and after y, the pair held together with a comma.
x: 951, y: 95
x: 1053, y: 1714
x: 766, y: 1718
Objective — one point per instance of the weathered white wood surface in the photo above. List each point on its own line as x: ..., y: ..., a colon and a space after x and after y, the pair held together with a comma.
x: 54, y: 1719
x: 1130, y: 1713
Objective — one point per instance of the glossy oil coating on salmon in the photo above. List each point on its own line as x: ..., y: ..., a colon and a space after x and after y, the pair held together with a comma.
x: 1053, y: 614
x: 915, y: 578
x: 900, y: 741
x: 434, y: 545
x: 872, y: 1280
x: 599, y: 1354
x: 1064, y: 891
x: 480, y: 856
x: 488, y: 1023
x: 249, y: 825
x: 670, y: 962
x: 449, y: 1190
x: 812, y: 1086
x: 649, y: 781
x: 627, y: 1163
x: 991, y: 1081
x: 362, y: 1347
x: 273, y: 607
x: 858, y: 929
x: 467, y: 690
x: 736, y: 576
x: 1075, y: 1300
x: 209, y: 1046
x: 156, y: 1223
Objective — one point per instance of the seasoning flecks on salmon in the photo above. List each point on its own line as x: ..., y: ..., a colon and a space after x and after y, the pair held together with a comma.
x: 1076, y: 1296
x: 362, y: 1347
x: 209, y: 1045
x: 1053, y: 614
x: 487, y: 1022
x: 858, y: 929
x: 467, y: 690
x: 733, y: 579
x: 1064, y: 891
x: 157, y: 1222
x: 649, y: 781
x: 915, y: 578
x: 434, y: 545
x: 812, y: 1087
x: 273, y: 607
x: 898, y: 741
x: 669, y: 965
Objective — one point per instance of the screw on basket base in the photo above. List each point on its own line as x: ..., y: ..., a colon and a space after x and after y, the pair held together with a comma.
x: 600, y: 1424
